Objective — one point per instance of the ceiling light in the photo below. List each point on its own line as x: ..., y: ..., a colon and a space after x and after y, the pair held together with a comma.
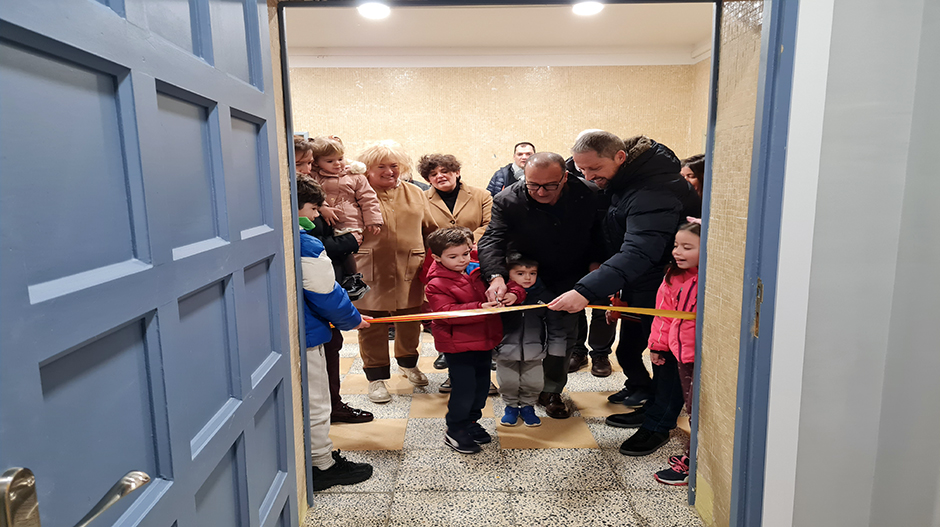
x: 374, y: 10
x: 587, y: 8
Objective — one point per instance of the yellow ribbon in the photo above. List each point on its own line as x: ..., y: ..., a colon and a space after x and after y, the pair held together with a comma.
x: 497, y: 310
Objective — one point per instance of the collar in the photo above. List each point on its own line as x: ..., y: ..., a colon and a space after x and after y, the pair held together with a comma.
x: 306, y: 224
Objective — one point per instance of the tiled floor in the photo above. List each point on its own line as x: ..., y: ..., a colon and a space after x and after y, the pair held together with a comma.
x: 563, y: 473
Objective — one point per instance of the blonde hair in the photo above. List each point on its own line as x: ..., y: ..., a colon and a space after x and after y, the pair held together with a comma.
x: 326, y: 146
x: 387, y: 150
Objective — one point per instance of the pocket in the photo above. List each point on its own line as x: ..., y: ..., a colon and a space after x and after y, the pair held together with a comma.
x: 364, y: 264
x: 415, y: 259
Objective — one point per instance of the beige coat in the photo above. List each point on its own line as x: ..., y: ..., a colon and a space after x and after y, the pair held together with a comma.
x: 390, y: 262
x: 472, y: 209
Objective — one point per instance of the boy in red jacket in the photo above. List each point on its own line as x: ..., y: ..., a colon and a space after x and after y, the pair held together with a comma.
x: 455, y: 283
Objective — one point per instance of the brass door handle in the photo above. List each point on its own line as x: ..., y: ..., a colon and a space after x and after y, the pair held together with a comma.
x: 19, y: 506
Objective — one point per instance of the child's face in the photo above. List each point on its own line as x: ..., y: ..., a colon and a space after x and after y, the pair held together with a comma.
x: 304, y: 162
x: 331, y: 164
x: 309, y: 211
x: 524, y: 275
x: 454, y: 258
x: 685, y: 250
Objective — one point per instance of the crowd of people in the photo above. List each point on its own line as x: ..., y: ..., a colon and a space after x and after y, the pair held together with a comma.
x: 614, y: 224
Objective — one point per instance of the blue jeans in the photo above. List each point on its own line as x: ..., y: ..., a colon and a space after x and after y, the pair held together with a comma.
x: 469, y: 386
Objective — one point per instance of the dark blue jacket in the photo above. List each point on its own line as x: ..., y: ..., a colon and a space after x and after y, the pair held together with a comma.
x: 500, y: 180
x: 324, y: 300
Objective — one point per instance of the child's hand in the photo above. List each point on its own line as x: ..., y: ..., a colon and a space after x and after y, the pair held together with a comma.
x: 329, y: 215
x: 487, y: 305
x: 374, y: 230
x: 509, y: 299
x: 657, y: 358
x: 365, y: 322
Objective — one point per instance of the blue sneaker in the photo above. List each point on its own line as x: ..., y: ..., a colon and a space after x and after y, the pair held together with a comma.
x: 511, y: 417
x: 529, y: 417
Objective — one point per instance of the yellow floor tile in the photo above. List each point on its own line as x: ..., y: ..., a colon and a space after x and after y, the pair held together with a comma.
x: 595, y: 404
x: 380, y: 434
x: 684, y: 425
x: 426, y: 364
x: 345, y: 363
x: 554, y: 433
x: 431, y: 405
x: 357, y: 383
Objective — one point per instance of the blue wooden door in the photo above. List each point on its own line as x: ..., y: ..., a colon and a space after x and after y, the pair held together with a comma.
x: 142, y: 295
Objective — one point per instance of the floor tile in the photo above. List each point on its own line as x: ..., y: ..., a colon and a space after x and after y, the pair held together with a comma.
x: 345, y: 363
x: 380, y: 434
x: 608, y: 437
x: 385, y: 467
x: 448, y: 470
x: 594, y: 404
x: 574, y: 509
x: 357, y: 383
x: 665, y: 507
x: 424, y: 405
x: 553, y: 433
x: 558, y: 469
x: 344, y: 510
x: 583, y: 381
x: 450, y: 509
x: 637, y: 472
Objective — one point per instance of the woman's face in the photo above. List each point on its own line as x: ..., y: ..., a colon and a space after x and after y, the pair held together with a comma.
x: 303, y: 161
x: 384, y: 174
x: 689, y: 176
x: 443, y: 180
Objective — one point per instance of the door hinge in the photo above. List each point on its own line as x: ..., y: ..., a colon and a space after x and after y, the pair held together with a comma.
x: 760, y: 299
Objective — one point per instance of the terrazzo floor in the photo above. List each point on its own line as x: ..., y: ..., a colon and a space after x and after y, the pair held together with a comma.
x: 564, y: 473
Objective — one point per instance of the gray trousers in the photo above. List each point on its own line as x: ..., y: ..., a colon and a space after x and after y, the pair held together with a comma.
x: 520, y: 382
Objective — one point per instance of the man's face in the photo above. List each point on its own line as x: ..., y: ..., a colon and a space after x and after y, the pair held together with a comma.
x: 545, y: 184
x: 599, y: 170
x: 522, y: 154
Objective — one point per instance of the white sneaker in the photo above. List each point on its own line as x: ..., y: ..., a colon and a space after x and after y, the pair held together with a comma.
x: 378, y: 393
x: 414, y: 376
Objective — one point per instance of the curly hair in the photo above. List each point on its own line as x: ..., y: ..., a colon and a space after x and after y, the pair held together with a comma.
x: 429, y: 162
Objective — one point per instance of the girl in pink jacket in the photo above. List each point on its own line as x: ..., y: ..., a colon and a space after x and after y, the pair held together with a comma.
x: 678, y: 292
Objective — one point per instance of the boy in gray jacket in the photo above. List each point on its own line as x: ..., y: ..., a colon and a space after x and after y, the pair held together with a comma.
x: 527, y: 337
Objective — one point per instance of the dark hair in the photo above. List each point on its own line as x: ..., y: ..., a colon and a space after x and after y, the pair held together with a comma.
x: 545, y: 159
x: 429, y: 162
x: 301, y: 145
x: 696, y: 163
x: 517, y: 260
x: 308, y: 191
x: 671, y: 269
x: 442, y: 239
x: 524, y: 143
x: 604, y: 144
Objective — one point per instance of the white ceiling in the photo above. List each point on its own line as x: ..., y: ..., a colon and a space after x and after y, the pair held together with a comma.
x: 500, y: 35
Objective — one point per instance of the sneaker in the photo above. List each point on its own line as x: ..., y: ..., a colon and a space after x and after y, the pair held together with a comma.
x: 673, y: 460
x: 391, y: 332
x: 414, y: 376
x: 354, y: 286
x: 618, y: 398
x: 378, y: 393
x: 460, y: 441
x: 677, y: 475
x: 493, y: 389
x: 628, y: 420
x: 478, y: 434
x: 445, y: 386
x: 644, y: 442
x: 347, y: 414
x: 343, y: 472
x: 511, y: 417
x: 636, y: 399
x: 493, y: 365
x: 529, y: 417
x: 440, y: 363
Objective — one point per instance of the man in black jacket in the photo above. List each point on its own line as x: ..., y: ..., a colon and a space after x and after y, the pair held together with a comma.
x: 648, y: 202
x: 509, y: 174
x: 552, y: 218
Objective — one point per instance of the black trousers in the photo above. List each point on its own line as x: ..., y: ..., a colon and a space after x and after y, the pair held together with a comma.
x: 600, y: 338
x: 556, y: 368
x: 331, y: 351
x: 469, y: 386
x: 662, y: 409
x: 634, y: 337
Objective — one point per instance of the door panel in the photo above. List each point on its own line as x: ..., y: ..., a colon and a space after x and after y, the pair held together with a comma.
x: 141, y: 262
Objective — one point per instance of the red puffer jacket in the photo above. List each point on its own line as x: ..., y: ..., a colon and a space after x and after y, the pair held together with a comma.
x: 674, y: 334
x: 452, y: 291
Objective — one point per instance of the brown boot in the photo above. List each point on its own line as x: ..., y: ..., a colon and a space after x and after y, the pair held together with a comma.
x: 578, y: 361
x: 556, y: 408
x: 600, y: 366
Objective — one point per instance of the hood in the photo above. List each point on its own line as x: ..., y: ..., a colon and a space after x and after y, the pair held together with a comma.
x: 645, y: 158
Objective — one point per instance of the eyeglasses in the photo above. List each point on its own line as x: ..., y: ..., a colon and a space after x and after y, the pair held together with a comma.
x: 549, y: 187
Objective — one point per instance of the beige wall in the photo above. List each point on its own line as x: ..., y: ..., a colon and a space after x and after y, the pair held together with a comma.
x: 477, y: 114
x: 721, y: 314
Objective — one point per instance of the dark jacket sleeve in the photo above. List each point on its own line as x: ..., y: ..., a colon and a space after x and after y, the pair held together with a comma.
x: 650, y: 229
x: 498, y: 181
x: 493, y: 245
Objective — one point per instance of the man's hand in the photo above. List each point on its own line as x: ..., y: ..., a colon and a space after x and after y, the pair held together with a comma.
x: 509, y: 299
x: 365, y: 322
x: 572, y: 302
x: 497, y: 290
x: 656, y: 357
x: 328, y: 214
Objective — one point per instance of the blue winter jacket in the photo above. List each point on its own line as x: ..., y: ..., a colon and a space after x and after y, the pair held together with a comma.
x: 324, y: 300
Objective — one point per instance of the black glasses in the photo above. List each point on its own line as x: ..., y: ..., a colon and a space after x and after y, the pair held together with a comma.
x: 549, y: 187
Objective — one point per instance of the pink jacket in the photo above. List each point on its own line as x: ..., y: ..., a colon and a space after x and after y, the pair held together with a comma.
x: 674, y: 334
x: 353, y: 196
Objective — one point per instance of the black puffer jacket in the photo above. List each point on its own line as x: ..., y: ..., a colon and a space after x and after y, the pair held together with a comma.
x: 529, y: 335
x: 648, y: 202
x: 563, y: 238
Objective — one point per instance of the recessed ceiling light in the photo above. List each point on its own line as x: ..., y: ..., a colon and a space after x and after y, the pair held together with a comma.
x: 587, y: 8
x: 374, y: 10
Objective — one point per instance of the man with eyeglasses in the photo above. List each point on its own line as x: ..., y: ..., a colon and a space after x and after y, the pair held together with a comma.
x: 554, y: 219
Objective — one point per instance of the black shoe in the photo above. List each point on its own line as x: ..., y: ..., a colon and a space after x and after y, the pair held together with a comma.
x: 493, y: 364
x: 578, y: 361
x: 343, y: 472
x: 600, y: 366
x: 618, y: 398
x: 440, y: 363
x: 347, y: 414
x: 354, y: 286
x: 628, y: 420
x: 445, y: 386
x: 637, y: 399
x: 556, y: 408
x: 543, y: 399
x: 461, y: 442
x: 644, y: 442
x: 478, y: 434
x: 391, y: 332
